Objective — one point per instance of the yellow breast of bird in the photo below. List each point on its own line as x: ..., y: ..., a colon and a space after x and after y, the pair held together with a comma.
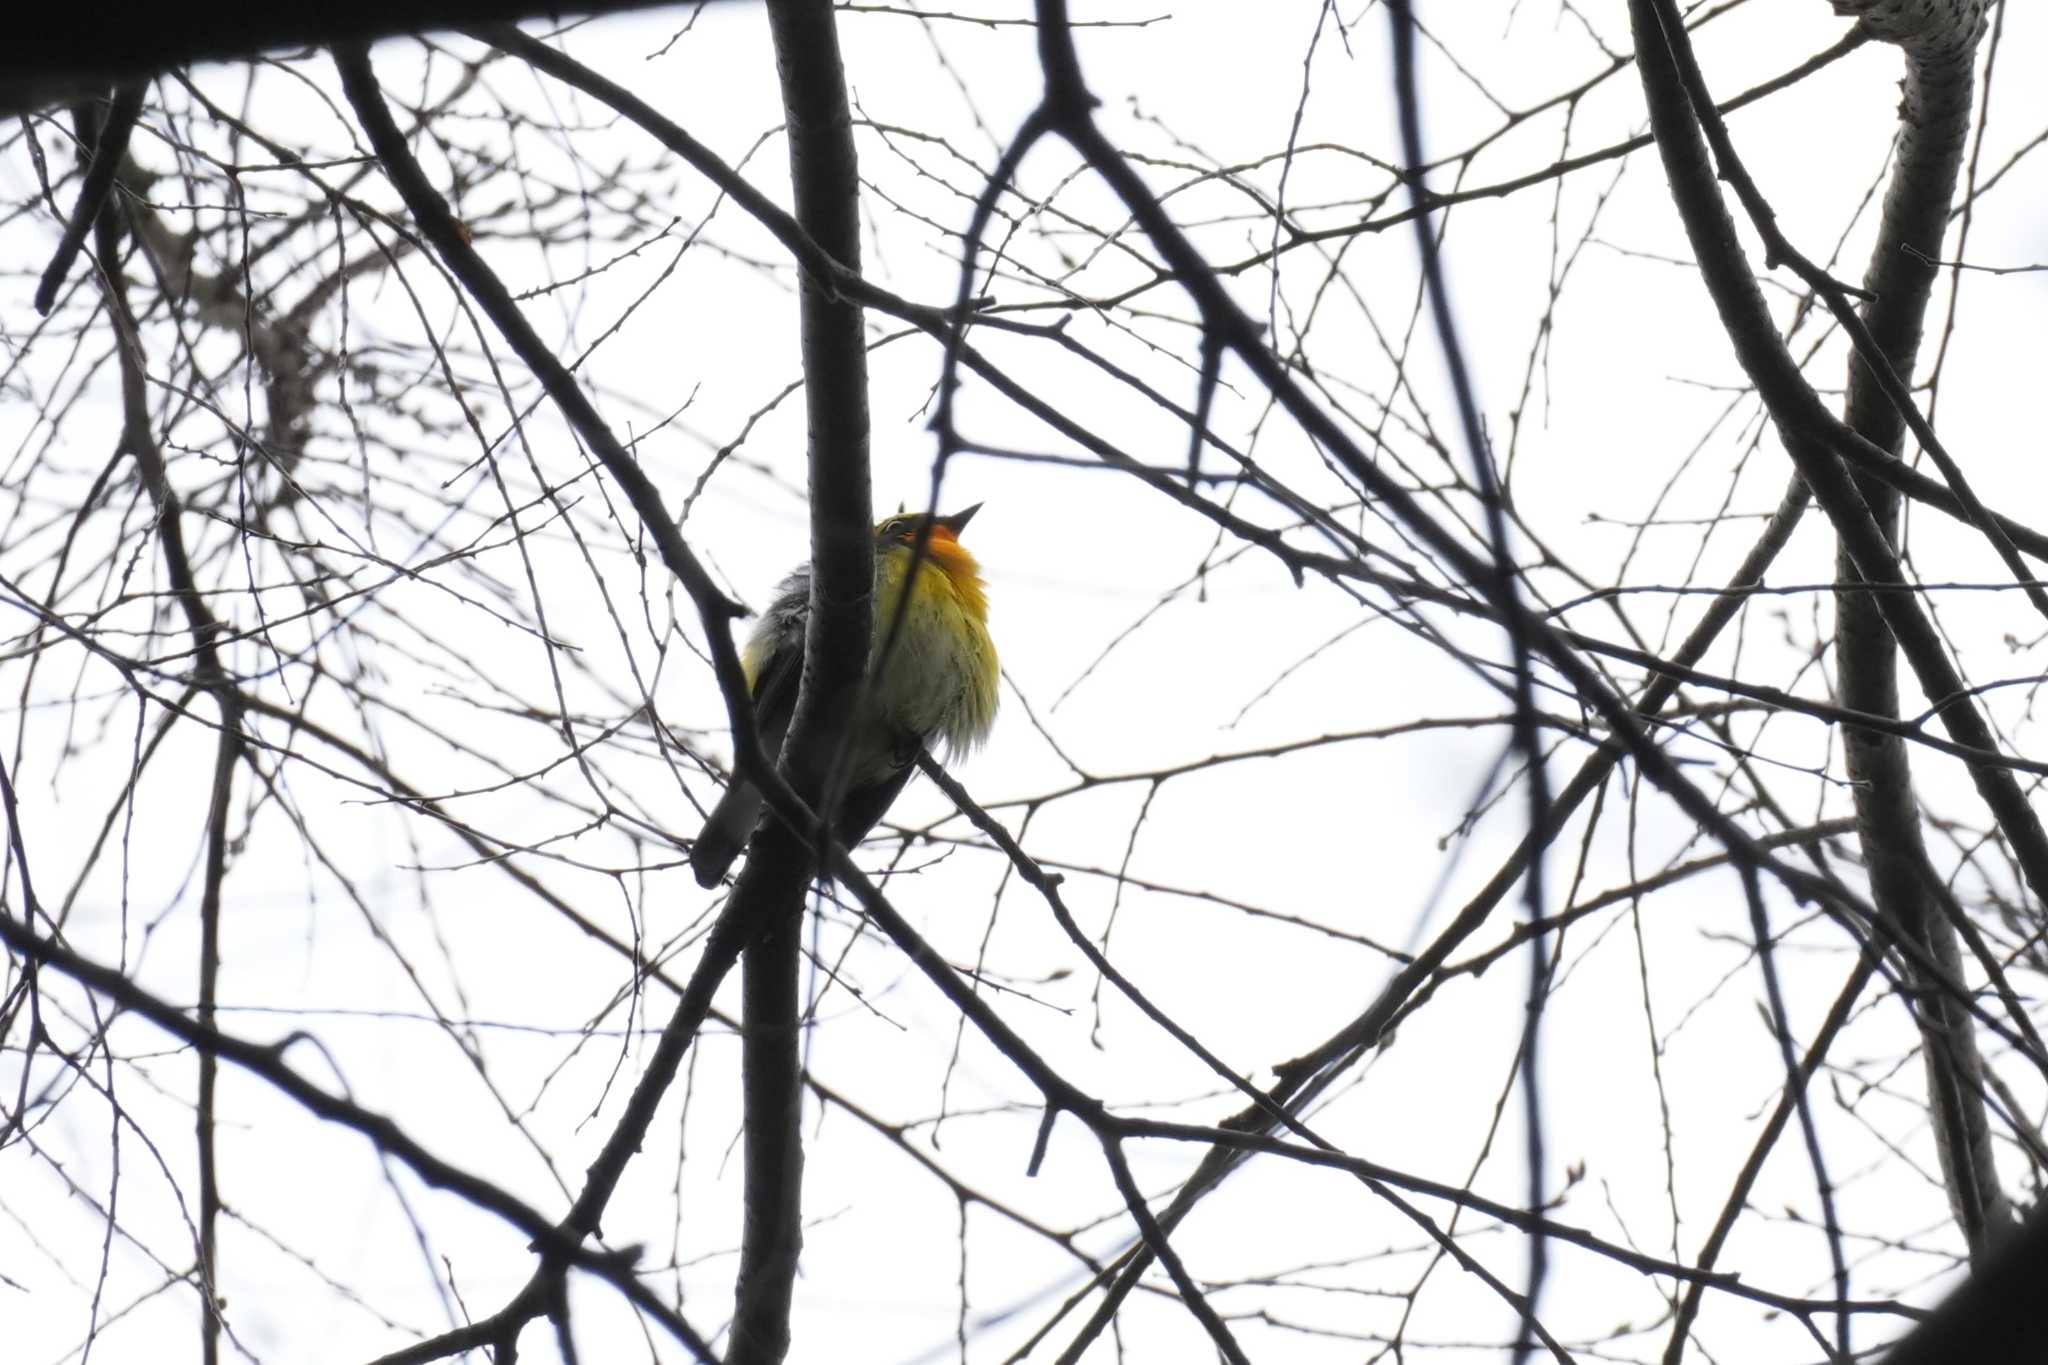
x: 938, y: 679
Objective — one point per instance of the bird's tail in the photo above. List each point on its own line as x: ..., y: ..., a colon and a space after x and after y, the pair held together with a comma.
x: 725, y: 832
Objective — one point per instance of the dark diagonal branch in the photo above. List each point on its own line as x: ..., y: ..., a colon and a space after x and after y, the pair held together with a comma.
x: 1067, y: 109
x: 108, y: 148
x: 501, y: 1329
x: 402, y: 369
x: 1865, y: 514
x: 1802, y: 422
x: 1868, y: 459
x: 266, y: 1062
x: 437, y: 224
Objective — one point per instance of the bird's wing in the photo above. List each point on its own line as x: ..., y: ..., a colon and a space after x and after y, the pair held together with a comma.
x: 775, y: 662
x: 775, y: 692
x: 775, y: 688
x: 863, y: 807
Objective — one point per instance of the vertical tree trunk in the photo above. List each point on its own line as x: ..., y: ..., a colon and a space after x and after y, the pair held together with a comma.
x: 826, y: 184
x: 1939, y: 41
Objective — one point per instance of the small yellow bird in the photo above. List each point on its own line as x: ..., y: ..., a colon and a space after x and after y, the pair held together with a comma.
x: 938, y: 681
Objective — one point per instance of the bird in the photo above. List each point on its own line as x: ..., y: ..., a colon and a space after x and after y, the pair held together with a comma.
x: 937, y: 681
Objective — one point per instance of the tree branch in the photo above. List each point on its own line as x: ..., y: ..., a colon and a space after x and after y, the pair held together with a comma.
x: 267, y: 1063
x: 138, y: 439
x: 1934, y: 123
x: 70, y: 53
x: 824, y: 176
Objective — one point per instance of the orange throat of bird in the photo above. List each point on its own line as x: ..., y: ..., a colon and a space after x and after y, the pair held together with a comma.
x: 945, y: 553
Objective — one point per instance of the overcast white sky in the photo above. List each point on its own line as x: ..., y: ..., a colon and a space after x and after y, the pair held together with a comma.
x: 1355, y: 841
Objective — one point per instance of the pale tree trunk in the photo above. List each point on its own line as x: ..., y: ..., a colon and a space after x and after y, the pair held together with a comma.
x: 1939, y: 40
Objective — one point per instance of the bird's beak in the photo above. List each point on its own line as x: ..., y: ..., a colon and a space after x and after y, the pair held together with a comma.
x: 958, y: 521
